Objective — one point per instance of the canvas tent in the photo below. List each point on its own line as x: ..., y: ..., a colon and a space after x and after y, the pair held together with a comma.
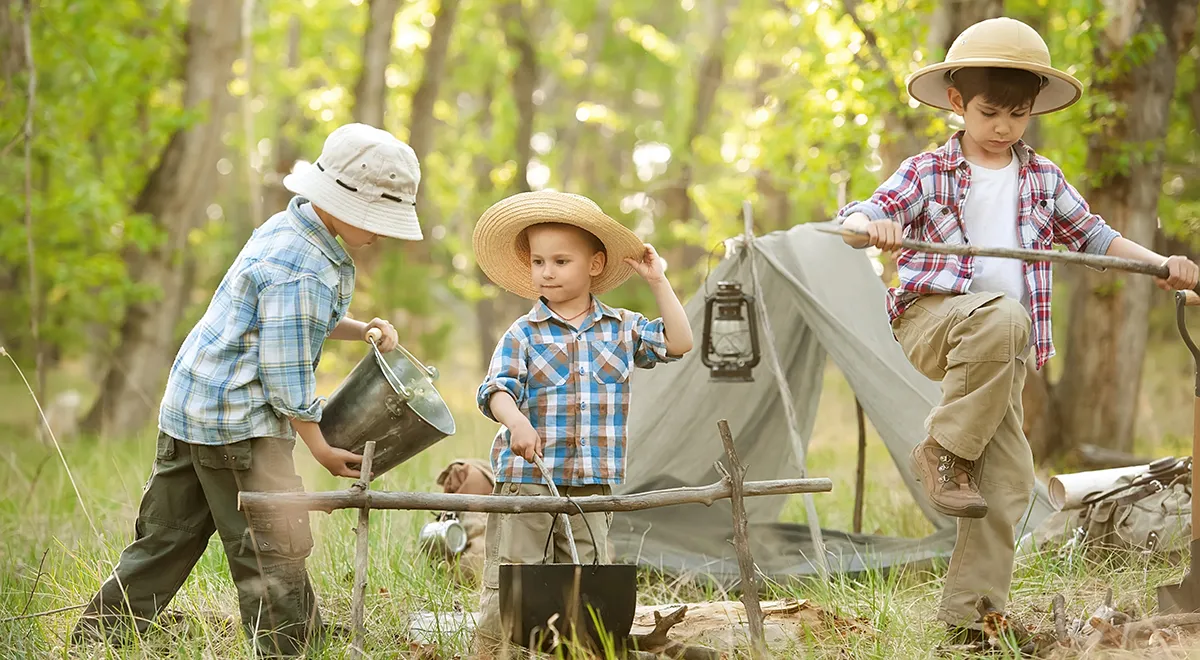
x: 823, y: 300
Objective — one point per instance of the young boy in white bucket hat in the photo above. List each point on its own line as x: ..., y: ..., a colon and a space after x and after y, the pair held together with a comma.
x: 972, y: 322
x: 243, y: 382
x: 559, y: 378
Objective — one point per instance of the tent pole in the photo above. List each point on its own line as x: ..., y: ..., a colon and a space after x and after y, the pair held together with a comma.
x: 860, y: 474
x: 771, y: 352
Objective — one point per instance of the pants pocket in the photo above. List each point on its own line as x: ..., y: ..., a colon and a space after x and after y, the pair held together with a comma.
x: 282, y: 533
x: 166, y: 447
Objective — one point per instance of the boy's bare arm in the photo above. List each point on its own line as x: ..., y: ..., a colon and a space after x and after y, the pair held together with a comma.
x: 334, y: 459
x: 1184, y: 272
x: 675, y: 323
x: 525, y: 441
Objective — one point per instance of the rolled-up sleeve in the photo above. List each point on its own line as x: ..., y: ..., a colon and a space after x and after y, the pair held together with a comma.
x: 900, y: 198
x: 293, y: 320
x: 650, y: 342
x: 506, y: 373
x: 1075, y: 226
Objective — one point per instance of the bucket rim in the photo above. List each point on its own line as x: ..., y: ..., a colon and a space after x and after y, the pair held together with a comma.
x: 394, y: 382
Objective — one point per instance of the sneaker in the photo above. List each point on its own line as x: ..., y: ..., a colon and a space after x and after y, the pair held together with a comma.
x: 949, y: 481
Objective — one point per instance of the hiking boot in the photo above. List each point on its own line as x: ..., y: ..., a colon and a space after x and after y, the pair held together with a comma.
x: 948, y: 480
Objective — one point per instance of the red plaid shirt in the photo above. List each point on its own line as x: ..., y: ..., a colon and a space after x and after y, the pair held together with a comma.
x: 926, y: 195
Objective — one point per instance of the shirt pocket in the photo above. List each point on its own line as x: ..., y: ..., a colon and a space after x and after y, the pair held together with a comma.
x: 611, y: 362
x: 943, y: 223
x: 549, y: 365
x: 1042, y: 223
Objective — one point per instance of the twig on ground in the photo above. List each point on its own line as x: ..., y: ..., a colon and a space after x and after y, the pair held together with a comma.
x: 36, y: 580
x: 47, y: 613
x: 1058, y: 607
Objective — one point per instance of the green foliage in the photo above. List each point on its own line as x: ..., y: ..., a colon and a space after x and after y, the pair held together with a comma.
x: 800, y: 110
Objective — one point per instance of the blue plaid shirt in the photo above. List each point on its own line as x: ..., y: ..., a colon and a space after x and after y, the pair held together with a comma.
x: 250, y: 363
x: 573, y: 385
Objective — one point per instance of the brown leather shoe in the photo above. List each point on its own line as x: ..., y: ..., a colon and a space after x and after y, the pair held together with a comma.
x: 949, y: 481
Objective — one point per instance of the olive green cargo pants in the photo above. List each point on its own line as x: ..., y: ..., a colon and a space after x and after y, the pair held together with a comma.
x: 191, y: 493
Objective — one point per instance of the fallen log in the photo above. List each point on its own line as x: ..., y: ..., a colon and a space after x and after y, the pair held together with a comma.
x: 329, y: 501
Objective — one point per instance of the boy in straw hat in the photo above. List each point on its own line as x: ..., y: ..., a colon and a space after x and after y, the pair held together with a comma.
x: 972, y: 322
x: 243, y: 382
x: 559, y: 377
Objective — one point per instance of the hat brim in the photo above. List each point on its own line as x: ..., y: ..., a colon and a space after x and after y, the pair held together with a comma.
x: 504, y: 258
x: 383, y: 216
x: 929, y: 84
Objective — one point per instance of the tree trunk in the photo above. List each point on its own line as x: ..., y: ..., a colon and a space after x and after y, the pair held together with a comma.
x: 174, y: 196
x: 710, y: 74
x: 485, y: 307
x: 421, y: 126
x: 291, y: 122
x: 1106, y: 340
x: 421, y: 123
x: 569, y: 139
x: 370, y: 94
x: 12, y: 45
x: 524, y: 80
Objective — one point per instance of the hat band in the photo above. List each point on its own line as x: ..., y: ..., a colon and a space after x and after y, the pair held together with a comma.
x: 345, y: 185
x: 950, y: 76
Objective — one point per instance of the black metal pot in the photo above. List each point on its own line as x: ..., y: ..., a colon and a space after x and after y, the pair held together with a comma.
x: 544, y: 605
x: 388, y: 398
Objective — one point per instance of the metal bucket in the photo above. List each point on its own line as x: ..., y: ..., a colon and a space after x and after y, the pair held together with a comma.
x: 388, y: 398
x: 545, y: 605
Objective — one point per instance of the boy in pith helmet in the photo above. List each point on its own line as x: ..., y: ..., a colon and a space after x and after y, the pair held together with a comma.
x: 972, y: 322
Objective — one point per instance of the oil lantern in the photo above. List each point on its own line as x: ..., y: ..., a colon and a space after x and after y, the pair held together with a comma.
x: 730, y: 342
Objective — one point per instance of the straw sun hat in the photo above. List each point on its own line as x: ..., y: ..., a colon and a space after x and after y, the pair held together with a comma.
x: 503, y: 253
x: 1003, y: 43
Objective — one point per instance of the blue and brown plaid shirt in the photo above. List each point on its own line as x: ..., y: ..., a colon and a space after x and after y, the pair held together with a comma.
x: 250, y: 363
x: 573, y: 385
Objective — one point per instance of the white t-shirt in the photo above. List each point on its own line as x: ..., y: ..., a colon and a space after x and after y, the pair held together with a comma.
x: 990, y: 219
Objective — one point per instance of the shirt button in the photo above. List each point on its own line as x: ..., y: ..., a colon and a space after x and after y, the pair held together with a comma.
x: 583, y: 405
x: 581, y: 370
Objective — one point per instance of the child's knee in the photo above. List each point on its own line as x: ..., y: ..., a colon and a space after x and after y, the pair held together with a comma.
x: 997, y: 331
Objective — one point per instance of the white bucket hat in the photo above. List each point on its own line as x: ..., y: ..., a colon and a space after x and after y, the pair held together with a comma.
x: 366, y: 178
x: 1003, y: 43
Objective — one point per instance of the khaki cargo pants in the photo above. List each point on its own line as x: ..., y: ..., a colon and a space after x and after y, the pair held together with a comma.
x: 193, y: 492
x: 521, y: 538
x: 976, y: 345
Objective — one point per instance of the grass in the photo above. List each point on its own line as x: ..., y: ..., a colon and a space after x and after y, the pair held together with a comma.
x: 51, y: 558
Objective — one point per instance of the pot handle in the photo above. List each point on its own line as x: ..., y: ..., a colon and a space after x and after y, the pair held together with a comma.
x: 375, y: 334
x: 405, y: 393
x: 567, y: 520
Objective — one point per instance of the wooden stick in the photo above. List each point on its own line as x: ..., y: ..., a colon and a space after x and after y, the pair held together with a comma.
x: 860, y: 473
x: 363, y: 485
x: 330, y: 501
x: 736, y: 475
x: 1078, y: 258
x: 1059, y: 607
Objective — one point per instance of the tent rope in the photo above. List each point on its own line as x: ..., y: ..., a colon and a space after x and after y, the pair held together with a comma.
x: 810, y: 508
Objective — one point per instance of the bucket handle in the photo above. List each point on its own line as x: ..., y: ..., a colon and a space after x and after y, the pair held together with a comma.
x: 375, y: 334
x: 567, y: 521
